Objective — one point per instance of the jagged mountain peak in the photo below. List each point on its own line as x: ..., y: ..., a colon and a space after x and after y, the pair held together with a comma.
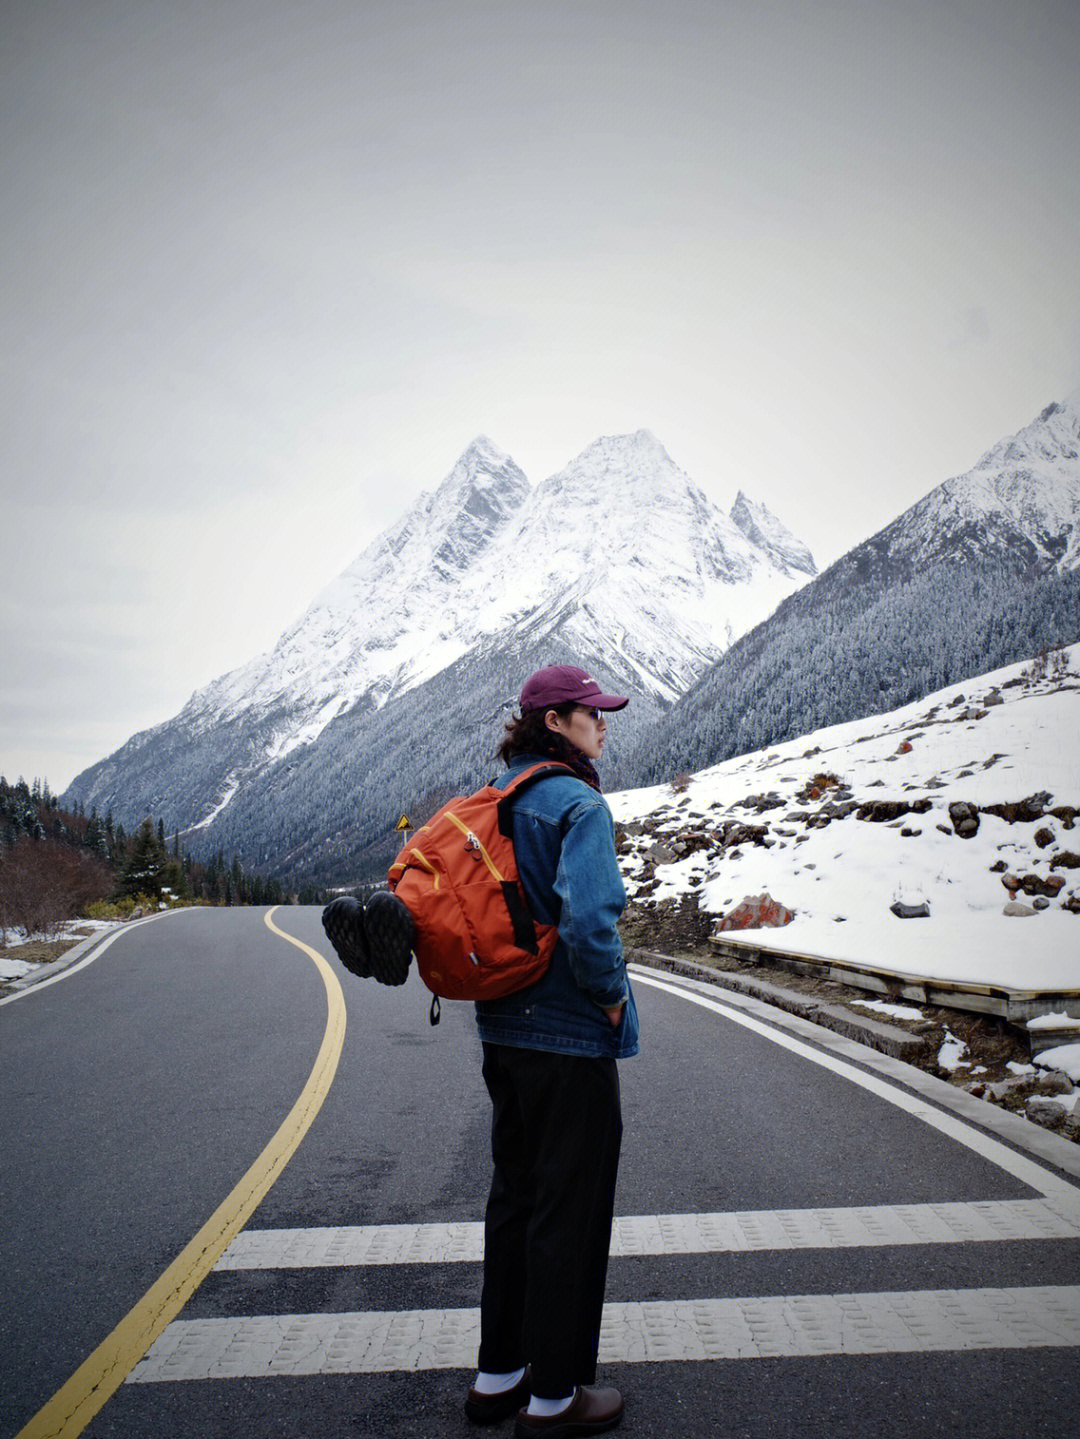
x: 479, y: 494
x: 762, y: 528
x: 618, y: 560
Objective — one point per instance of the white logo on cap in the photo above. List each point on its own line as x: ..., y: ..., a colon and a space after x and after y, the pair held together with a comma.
x: 588, y: 680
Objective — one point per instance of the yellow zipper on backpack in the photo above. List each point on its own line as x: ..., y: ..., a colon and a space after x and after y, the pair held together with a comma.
x: 467, y: 832
x: 427, y: 865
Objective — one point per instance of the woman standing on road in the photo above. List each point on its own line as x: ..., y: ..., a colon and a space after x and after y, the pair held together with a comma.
x: 550, y: 1056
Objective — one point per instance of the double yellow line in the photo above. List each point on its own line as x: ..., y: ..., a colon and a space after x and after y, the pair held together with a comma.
x: 96, y: 1380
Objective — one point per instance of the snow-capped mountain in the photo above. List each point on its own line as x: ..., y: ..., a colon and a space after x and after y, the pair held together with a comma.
x: 983, y: 569
x: 395, y: 616
x: 618, y: 559
x: 1021, y: 502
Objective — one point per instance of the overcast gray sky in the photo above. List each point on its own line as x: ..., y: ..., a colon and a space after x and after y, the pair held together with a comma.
x: 269, y: 267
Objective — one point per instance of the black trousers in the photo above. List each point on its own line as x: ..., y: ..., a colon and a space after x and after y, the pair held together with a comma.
x: 555, y: 1137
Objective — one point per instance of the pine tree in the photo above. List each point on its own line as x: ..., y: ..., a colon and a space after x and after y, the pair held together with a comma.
x: 144, y: 872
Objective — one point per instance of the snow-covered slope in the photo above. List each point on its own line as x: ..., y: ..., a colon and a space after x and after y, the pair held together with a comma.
x: 839, y: 824
x: 1021, y: 500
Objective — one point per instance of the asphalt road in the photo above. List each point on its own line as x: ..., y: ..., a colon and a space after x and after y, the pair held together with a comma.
x: 138, y: 1092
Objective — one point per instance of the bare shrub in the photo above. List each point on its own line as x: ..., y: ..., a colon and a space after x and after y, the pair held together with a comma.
x: 681, y: 783
x: 43, y: 883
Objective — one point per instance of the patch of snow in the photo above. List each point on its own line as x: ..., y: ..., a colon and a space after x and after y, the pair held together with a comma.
x: 15, y: 968
x: 1057, y: 1020
x: 1014, y: 1067
x: 1065, y: 1057
x: 232, y: 785
x: 951, y: 1054
x: 881, y: 1006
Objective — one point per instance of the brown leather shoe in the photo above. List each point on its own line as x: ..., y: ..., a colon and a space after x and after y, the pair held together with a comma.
x: 591, y: 1412
x: 492, y: 1408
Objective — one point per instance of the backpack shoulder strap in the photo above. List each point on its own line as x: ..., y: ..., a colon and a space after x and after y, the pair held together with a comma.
x: 522, y: 782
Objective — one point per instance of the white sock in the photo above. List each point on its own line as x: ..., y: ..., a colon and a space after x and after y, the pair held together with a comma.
x: 544, y: 1408
x: 497, y: 1383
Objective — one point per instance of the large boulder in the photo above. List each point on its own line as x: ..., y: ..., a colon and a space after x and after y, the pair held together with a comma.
x: 756, y: 911
x: 965, y: 819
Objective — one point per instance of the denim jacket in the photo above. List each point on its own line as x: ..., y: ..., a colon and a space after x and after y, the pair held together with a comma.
x: 564, y: 844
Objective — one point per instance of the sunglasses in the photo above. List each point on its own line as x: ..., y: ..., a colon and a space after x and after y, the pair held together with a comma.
x: 591, y: 711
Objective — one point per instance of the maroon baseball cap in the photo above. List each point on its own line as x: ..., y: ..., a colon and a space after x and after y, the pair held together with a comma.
x: 559, y: 684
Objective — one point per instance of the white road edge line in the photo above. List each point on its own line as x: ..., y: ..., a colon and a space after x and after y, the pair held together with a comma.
x: 770, y: 1327
x: 1058, y: 1192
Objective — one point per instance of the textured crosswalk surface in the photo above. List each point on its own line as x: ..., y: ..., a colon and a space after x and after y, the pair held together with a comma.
x: 699, y: 1329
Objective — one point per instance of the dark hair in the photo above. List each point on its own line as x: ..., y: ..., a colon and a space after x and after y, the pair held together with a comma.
x: 529, y: 734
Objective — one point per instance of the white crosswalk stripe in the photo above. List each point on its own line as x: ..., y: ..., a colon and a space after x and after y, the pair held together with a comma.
x: 923, y: 1321
x: 665, y: 1234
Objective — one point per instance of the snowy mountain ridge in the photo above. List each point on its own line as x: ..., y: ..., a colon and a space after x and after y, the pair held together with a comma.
x: 620, y: 549
x: 1023, y: 494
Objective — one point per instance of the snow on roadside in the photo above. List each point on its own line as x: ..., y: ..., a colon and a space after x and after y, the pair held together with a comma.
x: 1005, y: 737
x: 12, y: 967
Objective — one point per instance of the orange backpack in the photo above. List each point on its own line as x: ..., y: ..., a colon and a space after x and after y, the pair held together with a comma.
x: 475, y: 935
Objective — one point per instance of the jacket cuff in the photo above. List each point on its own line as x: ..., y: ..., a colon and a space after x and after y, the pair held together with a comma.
x: 609, y: 1002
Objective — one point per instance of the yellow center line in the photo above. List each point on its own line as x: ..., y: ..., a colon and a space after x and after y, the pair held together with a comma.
x: 95, y: 1381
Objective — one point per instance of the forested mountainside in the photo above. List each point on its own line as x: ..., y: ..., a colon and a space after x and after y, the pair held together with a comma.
x: 982, y: 572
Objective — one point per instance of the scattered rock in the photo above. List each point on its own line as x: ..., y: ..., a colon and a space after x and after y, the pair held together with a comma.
x: 910, y: 911
x: 762, y: 802
x: 756, y: 911
x: 1041, y: 903
x: 1044, y: 1111
x: 660, y: 854
x: 1066, y: 814
x: 733, y: 833
x: 1002, y: 1087
x: 904, y: 747
x: 1067, y: 859
x: 965, y: 819
x: 999, y: 868
x: 881, y: 811
x: 1023, y: 812
x: 908, y: 833
x: 993, y: 698
x: 1072, y: 904
x: 1056, y: 1082
x: 1044, y: 836
x: 1035, y: 884
x: 1015, y: 907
